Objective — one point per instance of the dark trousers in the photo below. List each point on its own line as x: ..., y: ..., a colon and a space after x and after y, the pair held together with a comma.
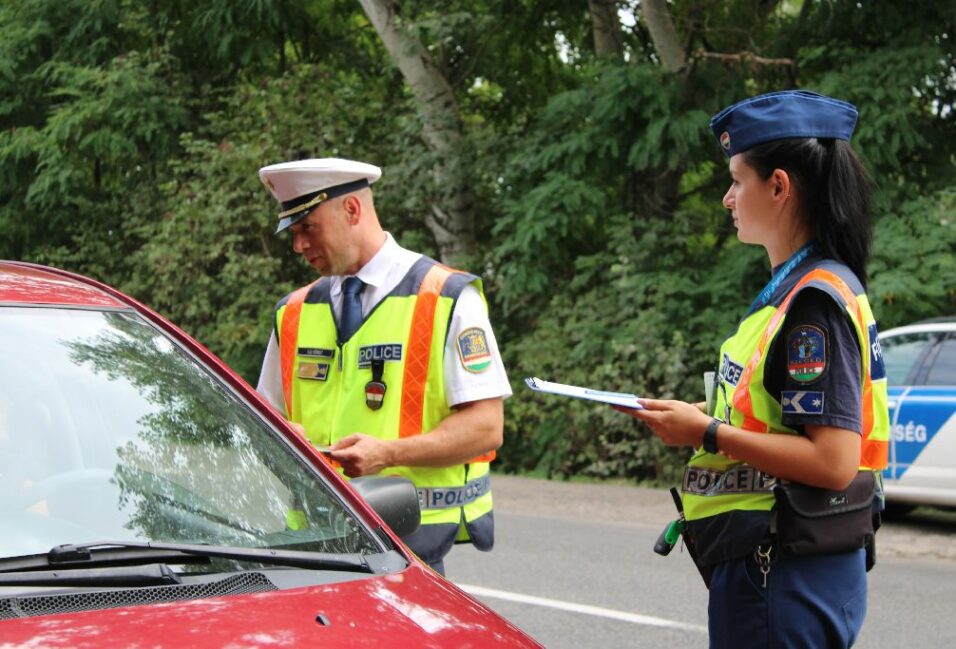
x: 432, y: 542
x: 815, y: 602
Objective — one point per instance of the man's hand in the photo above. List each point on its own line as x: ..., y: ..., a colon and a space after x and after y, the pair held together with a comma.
x: 361, y: 454
x: 471, y: 429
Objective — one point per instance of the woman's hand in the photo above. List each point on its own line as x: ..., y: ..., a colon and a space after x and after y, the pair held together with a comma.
x: 676, y: 423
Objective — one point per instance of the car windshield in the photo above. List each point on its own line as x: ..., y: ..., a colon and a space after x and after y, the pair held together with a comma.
x: 108, y: 430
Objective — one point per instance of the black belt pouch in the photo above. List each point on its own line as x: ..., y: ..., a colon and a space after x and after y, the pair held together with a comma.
x: 811, y: 520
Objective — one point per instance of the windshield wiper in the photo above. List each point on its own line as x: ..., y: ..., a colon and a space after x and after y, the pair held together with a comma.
x: 157, y: 574
x: 85, y: 555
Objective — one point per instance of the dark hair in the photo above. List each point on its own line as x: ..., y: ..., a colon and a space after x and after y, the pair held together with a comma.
x: 834, y: 190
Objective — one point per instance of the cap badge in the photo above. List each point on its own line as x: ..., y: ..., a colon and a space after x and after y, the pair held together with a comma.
x: 725, y: 140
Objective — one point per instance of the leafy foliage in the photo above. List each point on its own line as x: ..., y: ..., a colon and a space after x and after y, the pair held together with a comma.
x: 131, y: 133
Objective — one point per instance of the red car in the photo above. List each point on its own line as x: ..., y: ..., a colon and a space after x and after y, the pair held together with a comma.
x: 149, y: 497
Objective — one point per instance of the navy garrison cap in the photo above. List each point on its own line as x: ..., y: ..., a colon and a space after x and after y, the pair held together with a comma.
x: 303, y: 185
x: 781, y: 115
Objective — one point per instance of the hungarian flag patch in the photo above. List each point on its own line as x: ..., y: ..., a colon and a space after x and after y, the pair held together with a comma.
x: 806, y: 353
x: 473, y: 350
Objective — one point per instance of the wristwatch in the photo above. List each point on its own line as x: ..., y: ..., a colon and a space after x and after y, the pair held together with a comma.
x: 710, y: 436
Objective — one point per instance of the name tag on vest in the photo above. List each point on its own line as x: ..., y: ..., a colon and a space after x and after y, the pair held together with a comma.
x: 314, y: 371
x: 315, y: 352
x: 387, y: 352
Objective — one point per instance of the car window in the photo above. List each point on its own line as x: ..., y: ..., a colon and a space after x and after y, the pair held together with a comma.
x: 108, y: 430
x: 901, y: 352
x: 943, y: 370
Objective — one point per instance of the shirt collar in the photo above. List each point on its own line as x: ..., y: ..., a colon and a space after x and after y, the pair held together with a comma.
x: 376, y: 270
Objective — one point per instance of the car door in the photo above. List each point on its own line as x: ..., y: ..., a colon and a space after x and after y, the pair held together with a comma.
x: 922, y: 459
x: 904, y: 355
x: 932, y: 403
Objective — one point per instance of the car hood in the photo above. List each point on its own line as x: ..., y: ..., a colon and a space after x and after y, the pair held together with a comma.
x: 413, y: 608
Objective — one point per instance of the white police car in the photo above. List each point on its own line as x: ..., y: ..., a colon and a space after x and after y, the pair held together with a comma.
x: 921, y: 369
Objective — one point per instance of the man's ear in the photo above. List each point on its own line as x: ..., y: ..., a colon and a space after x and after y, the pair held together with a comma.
x: 353, y: 208
x: 780, y: 181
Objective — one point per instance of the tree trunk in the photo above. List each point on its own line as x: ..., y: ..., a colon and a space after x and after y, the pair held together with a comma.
x: 607, y: 28
x: 452, y: 216
x: 666, y: 41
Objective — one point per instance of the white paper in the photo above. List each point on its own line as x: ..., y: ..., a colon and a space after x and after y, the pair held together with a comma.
x: 614, y: 398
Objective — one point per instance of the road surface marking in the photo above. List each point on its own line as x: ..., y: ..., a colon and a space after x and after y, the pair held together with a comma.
x: 634, y: 618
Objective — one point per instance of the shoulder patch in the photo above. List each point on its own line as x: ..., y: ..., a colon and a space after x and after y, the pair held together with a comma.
x: 802, y: 402
x: 806, y: 353
x: 473, y: 350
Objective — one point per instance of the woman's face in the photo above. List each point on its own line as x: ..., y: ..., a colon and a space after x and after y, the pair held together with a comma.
x: 750, y: 200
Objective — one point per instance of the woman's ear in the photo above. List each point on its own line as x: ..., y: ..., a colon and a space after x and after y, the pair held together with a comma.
x: 780, y: 184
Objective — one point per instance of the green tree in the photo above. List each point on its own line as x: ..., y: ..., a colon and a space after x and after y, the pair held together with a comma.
x: 131, y: 133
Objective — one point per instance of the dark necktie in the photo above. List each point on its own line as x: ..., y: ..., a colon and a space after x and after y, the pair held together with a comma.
x: 351, y: 307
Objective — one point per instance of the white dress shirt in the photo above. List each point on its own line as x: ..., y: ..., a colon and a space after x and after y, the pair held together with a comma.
x: 382, y: 274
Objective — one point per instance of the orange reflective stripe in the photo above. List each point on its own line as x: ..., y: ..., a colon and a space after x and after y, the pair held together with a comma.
x: 874, y: 454
x: 418, y: 357
x: 288, y: 337
x: 419, y: 351
x: 743, y: 401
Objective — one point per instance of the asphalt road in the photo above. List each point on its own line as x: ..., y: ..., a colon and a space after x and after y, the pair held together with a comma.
x: 573, y: 566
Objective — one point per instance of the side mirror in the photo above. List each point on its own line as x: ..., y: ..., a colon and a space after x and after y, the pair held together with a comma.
x: 393, y: 498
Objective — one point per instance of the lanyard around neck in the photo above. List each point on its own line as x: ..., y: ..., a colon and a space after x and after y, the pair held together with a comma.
x: 795, y: 260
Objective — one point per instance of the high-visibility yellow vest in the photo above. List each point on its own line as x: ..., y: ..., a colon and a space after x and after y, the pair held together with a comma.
x: 726, y: 500
x: 325, y: 382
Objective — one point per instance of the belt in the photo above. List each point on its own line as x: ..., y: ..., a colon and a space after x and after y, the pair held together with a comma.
x: 444, y: 497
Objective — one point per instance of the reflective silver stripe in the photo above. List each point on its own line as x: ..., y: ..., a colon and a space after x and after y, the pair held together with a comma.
x: 442, y: 497
x: 740, y: 479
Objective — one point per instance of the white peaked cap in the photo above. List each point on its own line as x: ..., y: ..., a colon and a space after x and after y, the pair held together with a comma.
x: 302, y: 185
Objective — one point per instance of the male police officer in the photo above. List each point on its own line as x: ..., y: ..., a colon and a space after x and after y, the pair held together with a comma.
x: 389, y: 357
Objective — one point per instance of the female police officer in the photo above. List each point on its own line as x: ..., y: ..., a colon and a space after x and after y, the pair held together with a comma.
x: 800, y: 394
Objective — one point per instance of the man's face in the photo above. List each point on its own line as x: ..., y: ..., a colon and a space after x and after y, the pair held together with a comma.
x: 324, y: 239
